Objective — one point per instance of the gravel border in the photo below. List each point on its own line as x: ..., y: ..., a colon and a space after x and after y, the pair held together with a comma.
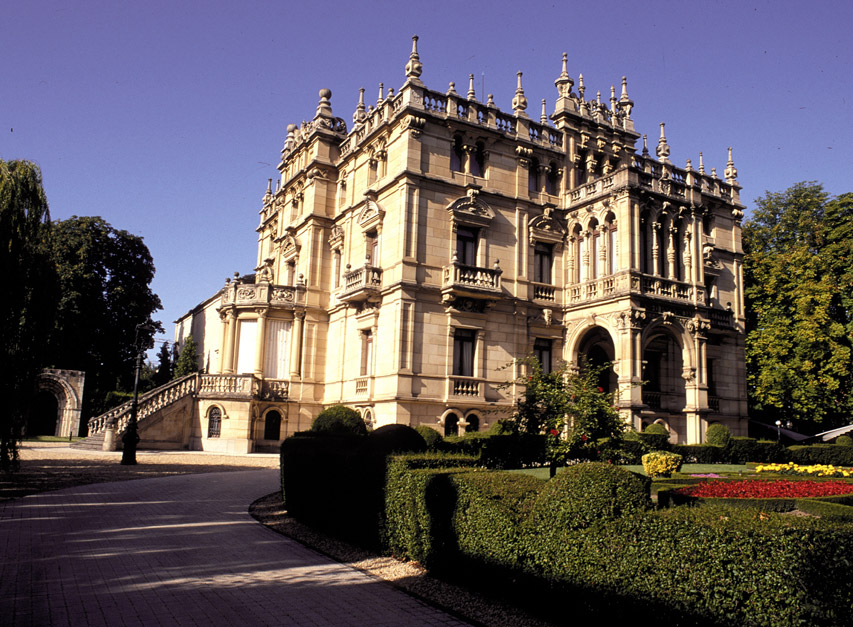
x: 476, y: 608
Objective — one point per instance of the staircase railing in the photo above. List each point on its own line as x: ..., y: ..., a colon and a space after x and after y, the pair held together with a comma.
x: 147, y: 404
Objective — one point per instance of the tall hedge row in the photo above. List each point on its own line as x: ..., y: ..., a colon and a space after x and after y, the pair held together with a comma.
x: 610, y: 558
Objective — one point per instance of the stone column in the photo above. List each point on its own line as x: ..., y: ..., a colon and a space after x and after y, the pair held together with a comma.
x: 260, y: 342
x: 296, y: 344
x: 228, y: 347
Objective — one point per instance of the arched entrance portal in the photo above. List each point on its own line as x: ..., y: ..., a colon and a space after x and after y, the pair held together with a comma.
x: 44, y: 414
x: 664, y: 388
x: 596, y: 349
x: 58, y: 404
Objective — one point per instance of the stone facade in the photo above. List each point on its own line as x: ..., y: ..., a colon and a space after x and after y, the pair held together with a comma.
x: 406, y: 261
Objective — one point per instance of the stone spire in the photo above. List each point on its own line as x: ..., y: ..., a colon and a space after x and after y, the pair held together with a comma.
x: 581, y: 88
x: 519, y: 103
x: 730, y: 172
x: 564, y: 82
x: 381, y: 96
x: 701, y: 164
x: 645, y: 146
x: 414, y: 67
x: 662, y: 150
x: 543, y: 118
x: 360, y: 111
x: 625, y: 103
x: 471, y: 94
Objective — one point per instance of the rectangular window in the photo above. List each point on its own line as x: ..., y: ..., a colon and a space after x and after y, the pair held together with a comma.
x: 372, y: 247
x: 542, y: 263
x: 366, y: 353
x: 542, y: 352
x: 277, y: 349
x: 247, y: 347
x: 466, y: 246
x: 463, y: 352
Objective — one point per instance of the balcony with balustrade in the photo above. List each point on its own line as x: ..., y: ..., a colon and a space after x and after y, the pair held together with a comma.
x: 361, y: 284
x: 472, y: 282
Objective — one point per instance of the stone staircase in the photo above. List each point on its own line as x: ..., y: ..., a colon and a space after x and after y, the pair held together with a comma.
x: 148, y: 404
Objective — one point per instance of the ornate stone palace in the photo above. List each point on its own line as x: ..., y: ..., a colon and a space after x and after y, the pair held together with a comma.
x: 405, y: 260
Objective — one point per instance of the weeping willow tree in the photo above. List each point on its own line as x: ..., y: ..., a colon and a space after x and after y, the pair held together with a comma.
x: 29, y: 294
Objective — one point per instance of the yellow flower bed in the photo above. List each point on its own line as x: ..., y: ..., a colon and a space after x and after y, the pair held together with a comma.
x: 815, y: 470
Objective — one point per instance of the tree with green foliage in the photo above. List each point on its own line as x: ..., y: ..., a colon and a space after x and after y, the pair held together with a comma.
x: 104, y: 278
x: 799, y: 299
x: 29, y: 297
x: 163, y: 372
x: 568, y: 406
x: 187, y: 362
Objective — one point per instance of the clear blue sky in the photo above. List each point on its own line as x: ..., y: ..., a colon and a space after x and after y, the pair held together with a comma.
x: 167, y: 117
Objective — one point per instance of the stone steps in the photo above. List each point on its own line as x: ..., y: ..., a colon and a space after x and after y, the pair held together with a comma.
x: 92, y: 443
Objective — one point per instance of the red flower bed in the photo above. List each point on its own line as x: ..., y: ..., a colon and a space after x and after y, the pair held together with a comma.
x: 766, y: 489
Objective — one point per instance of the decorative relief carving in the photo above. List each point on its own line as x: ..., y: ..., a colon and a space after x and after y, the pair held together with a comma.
x: 246, y: 293
x: 282, y: 295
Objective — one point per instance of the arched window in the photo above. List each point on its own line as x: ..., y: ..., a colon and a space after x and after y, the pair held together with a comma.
x: 457, y: 155
x: 552, y: 181
x: 214, y: 422
x: 533, y: 176
x: 272, y: 425
x: 451, y: 425
x: 473, y: 423
x: 478, y: 160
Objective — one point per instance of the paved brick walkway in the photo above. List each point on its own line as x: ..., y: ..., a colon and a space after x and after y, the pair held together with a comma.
x: 178, y: 551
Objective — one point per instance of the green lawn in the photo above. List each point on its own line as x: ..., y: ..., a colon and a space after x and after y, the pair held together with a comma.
x: 49, y: 438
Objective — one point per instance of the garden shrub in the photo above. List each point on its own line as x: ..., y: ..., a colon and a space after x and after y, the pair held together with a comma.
x: 844, y: 440
x: 742, y: 450
x: 827, y: 510
x: 718, y: 434
x: 419, y: 504
x: 700, y: 453
x: 661, y: 463
x: 396, y: 439
x: 587, y: 493
x: 656, y: 437
x: 432, y: 437
x: 821, y: 454
x: 490, y: 509
x: 339, y: 420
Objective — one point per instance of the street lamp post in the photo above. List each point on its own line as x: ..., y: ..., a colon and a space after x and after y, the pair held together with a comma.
x: 778, y: 430
x: 131, y: 434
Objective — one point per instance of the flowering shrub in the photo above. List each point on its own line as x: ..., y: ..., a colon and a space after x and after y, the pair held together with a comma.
x: 661, y: 463
x: 751, y: 489
x: 814, y: 470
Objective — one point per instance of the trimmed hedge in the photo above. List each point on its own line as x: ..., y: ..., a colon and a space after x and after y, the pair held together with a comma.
x: 718, y: 434
x: 830, y: 454
x: 432, y: 437
x: 701, y: 453
x: 741, y: 450
x: 517, y: 450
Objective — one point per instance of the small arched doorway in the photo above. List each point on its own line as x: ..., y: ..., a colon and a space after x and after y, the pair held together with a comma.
x: 272, y: 425
x: 596, y: 350
x: 451, y: 425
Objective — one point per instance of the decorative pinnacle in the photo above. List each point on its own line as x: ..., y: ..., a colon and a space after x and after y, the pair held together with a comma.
x: 564, y: 82
x: 451, y: 91
x: 414, y: 67
x: 324, y: 108
x: 360, y: 111
x: 543, y: 118
x: 662, y: 150
x: 701, y: 164
x: 381, y: 94
x: 491, y: 101
x: 471, y: 94
x: 625, y: 103
x: 581, y: 88
x: 730, y: 172
x: 519, y: 103
x: 612, y: 98
x: 645, y: 146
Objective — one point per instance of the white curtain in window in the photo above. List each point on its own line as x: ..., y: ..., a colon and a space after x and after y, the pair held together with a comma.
x: 277, y: 349
x: 247, y: 350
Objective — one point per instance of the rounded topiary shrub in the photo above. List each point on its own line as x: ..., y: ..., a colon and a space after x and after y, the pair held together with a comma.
x: 432, y: 437
x: 656, y: 428
x: 586, y: 493
x: 339, y: 420
x: 718, y: 434
x: 844, y: 440
x: 396, y: 439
